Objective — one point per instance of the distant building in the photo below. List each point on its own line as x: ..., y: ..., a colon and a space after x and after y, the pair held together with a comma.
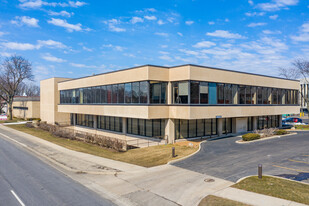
x: 304, y: 88
x: 170, y: 103
x: 26, y: 107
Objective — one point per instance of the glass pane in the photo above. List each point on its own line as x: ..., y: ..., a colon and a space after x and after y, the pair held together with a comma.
x: 183, y: 92
x: 259, y: 95
x: 128, y: 93
x: 184, y: 128
x: 203, y: 93
x: 156, y: 128
x: 220, y: 93
x: 200, y: 128
x: 135, y: 126
x: 207, y: 127
x: 112, y: 123
x: 242, y: 94
x: 176, y: 99
x: 194, y: 92
x: 148, y: 128
x: 135, y: 92
x: 274, y: 96
x: 141, y: 126
x: 248, y: 95
x: 177, y: 129
x: 162, y: 128
x: 163, y: 92
x: 115, y: 93
x: 155, y: 92
x: 109, y: 93
x: 214, y: 126
x: 129, y: 125
x: 212, y: 93
x: 228, y: 94
x: 229, y: 125
x: 143, y: 93
x: 192, y: 128
x: 121, y: 93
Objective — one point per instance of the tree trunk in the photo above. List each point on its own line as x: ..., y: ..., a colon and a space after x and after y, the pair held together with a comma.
x: 11, y: 111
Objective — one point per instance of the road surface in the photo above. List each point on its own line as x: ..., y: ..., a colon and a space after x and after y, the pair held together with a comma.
x: 26, y: 180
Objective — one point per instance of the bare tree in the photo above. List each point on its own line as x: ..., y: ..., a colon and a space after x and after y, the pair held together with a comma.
x: 14, y: 71
x: 29, y: 89
x: 299, y: 69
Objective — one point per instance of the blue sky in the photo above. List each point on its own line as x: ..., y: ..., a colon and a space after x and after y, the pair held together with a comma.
x: 79, y: 38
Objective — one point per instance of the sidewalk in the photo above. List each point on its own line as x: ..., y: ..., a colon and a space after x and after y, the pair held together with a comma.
x: 128, y: 184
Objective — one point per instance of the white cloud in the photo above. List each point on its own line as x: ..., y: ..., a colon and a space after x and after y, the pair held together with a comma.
x: 276, y: 5
x: 51, y: 43
x: 112, y: 25
x: 256, y: 24
x: 35, y: 4
x: 65, y: 24
x: 304, y: 34
x: 211, y: 22
x: 255, y: 14
x: 189, y: 22
x: 160, y: 22
x: 2, y: 33
x: 86, y: 66
x: 114, y: 47
x: 25, y: 20
x: 61, y: 13
x: 150, y: 18
x: 136, y: 19
x: 273, y: 17
x: 6, y: 54
x: 51, y: 58
x: 224, y: 34
x: 161, y: 34
x: 87, y: 49
x: 250, y: 2
x: 271, y: 32
x: 204, y: 44
x: 166, y: 57
x: 19, y: 46
x: 226, y: 20
x: 180, y: 34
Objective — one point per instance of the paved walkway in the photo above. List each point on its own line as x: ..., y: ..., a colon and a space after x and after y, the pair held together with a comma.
x: 127, y: 184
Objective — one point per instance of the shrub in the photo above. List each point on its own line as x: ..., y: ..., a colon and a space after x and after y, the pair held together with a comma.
x: 250, y: 137
x: 29, y: 124
x: 281, y: 132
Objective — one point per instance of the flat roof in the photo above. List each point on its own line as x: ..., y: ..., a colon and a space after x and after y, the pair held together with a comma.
x: 179, y: 66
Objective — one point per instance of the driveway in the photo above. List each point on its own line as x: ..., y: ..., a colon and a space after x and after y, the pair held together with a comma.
x: 223, y: 158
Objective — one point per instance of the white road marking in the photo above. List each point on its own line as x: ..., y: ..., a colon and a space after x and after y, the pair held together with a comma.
x: 22, y: 144
x: 18, y: 199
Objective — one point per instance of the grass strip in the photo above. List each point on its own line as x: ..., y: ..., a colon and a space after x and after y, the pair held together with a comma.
x: 212, y: 200
x: 276, y: 187
x: 146, y: 157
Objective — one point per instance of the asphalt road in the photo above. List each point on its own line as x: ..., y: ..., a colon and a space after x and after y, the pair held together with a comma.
x: 286, y: 157
x: 26, y: 180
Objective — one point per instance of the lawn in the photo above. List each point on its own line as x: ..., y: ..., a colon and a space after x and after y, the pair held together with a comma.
x: 147, y: 157
x: 276, y: 187
x: 303, y: 127
x: 219, y: 201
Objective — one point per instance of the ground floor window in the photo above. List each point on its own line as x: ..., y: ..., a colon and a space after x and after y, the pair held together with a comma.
x: 195, y: 128
x: 250, y: 124
x: 146, y: 127
x: 85, y: 120
x: 109, y: 123
x: 227, y: 126
x: 268, y: 121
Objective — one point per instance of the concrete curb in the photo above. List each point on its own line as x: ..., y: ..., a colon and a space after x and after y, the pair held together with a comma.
x: 263, y: 139
x: 177, y: 160
x: 305, y: 183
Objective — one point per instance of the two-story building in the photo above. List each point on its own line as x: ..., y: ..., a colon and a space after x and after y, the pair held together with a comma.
x: 170, y: 103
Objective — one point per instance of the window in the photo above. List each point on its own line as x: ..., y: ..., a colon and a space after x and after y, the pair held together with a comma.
x: 180, y: 92
x: 203, y: 93
x: 115, y: 93
x: 248, y: 95
x: 265, y: 95
x: 135, y: 92
x: 155, y: 92
x: 110, y: 123
x: 121, y: 93
x: 194, y: 92
x: 212, y: 93
x: 163, y: 92
x: 149, y: 127
x: 242, y: 94
x: 259, y: 95
x: 128, y: 93
x: 143, y: 92
x: 228, y: 94
x: 274, y: 96
x: 109, y: 93
x: 220, y: 93
x: 97, y: 95
x: 103, y: 94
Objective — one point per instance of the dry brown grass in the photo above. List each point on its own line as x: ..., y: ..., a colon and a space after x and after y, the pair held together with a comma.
x: 211, y: 200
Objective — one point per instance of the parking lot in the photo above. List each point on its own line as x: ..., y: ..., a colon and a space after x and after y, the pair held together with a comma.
x: 285, y: 157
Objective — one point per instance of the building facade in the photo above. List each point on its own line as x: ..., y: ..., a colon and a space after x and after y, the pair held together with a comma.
x: 304, y: 94
x: 173, y: 102
x: 26, y: 107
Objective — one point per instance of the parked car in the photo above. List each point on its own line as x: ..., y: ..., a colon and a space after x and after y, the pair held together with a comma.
x: 293, y: 121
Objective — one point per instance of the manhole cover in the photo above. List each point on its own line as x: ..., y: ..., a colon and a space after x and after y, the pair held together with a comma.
x: 209, y: 180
